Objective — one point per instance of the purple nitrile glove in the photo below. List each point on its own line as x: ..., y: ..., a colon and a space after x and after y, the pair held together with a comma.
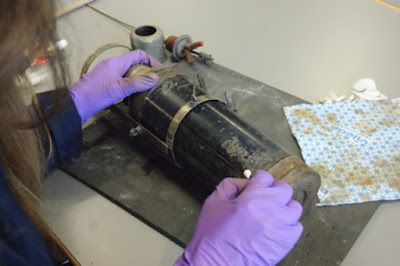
x: 105, y: 84
x: 245, y: 222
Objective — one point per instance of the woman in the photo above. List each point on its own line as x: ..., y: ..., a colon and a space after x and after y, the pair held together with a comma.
x: 242, y: 222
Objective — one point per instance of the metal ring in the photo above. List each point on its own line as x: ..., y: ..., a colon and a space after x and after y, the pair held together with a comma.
x: 97, y: 52
x: 177, y: 119
x: 179, y: 46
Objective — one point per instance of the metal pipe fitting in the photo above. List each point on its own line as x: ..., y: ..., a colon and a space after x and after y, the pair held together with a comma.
x: 149, y: 39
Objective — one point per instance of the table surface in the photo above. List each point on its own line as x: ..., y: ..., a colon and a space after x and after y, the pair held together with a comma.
x: 276, y: 42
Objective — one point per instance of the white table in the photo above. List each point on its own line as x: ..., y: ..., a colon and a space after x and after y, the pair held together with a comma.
x: 307, y: 48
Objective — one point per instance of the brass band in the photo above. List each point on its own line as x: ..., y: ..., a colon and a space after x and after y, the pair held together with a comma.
x: 177, y: 119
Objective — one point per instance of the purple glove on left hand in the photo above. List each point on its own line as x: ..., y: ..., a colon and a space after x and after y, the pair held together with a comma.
x: 105, y: 84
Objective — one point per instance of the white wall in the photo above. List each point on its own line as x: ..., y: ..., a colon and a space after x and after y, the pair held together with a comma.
x: 307, y: 48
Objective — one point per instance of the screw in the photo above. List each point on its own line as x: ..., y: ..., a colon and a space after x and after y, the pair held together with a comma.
x: 205, y: 57
x: 229, y: 100
x: 135, y: 131
x: 193, y: 96
x: 202, y: 84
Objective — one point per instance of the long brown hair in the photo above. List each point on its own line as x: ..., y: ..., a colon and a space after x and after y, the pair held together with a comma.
x: 26, y: 27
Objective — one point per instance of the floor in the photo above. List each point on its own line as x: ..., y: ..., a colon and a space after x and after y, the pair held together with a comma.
x: 307, y: 48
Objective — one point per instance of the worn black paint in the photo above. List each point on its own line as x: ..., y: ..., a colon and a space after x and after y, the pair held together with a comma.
x: 211, y: 141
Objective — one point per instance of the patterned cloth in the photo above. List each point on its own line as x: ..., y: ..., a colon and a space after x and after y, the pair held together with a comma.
x: 354, y: 146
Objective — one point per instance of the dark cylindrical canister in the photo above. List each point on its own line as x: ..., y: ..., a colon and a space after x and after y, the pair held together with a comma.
x: 205, y: 137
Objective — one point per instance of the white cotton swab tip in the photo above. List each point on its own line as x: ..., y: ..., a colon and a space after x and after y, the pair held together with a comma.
x: 247, y: 173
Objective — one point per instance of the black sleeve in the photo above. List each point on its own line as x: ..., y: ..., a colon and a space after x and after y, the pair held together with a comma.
x: 65, y: 127
x: 20, y: 241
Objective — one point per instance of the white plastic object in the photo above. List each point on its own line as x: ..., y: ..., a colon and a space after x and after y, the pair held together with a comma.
x: 247, y: 173
x: 366, y: 89
x: 61, y: 44
x: 366, y: 84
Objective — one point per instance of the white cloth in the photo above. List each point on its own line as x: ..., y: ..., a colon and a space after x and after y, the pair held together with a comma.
x: 354, y: 146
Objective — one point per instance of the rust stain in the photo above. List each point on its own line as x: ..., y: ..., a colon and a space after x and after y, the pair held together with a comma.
x: 389, y: 123
x: 394, y: 181
x: 366, y: 175
x: 352, y: 177
x: 331, y: 118
x: 370, y: 131
x: 396, y: 169
x: 339, y: 169
x: 387, y: 107
x: 392, y: 107
x: 322, y: 170
x: 390, y: 171
x: 367, y: 181
x: 307, y: 114
x: 359, y: 111
x: 381, y: 163
x: 309, y: 131
x: 361, y: 175
x: 396, y: 159
x: 348, y: 170
x: 365, y: 126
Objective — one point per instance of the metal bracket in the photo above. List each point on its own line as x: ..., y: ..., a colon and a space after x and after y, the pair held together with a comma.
x: 98, y: 52
x: 177, y: 119
x: 139, y: 129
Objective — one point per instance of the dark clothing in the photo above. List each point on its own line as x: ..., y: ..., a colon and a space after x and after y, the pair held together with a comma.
x: 20, y: 241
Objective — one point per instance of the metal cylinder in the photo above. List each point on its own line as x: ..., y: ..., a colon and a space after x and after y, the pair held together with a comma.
x: 149, y: 39
x: 204, y: 136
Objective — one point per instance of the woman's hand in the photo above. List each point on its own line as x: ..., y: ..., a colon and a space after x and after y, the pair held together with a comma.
x: 105, y: 84
x: 245, y: 222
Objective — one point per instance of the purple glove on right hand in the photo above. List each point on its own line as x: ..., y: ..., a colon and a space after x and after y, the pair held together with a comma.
x: 245, y: 222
